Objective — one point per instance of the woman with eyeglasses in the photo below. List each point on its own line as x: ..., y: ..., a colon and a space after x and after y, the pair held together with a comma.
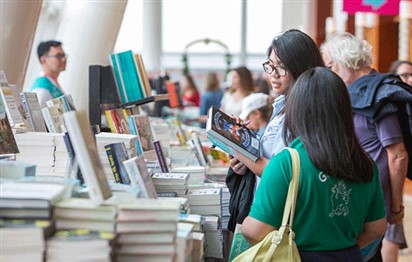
x: 289, y: 55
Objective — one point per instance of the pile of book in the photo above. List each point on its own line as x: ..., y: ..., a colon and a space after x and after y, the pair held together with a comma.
x: 82, y: 213
x: 146, y: 228
x: 25, y: 213
x: 61, y: 157
x: 79, y: 245
x: 197, y: 174
x: 37, y: 148
x: 205, y: 201
x: 23, y: 240
x: 213, y: 237
x: 171, y: 182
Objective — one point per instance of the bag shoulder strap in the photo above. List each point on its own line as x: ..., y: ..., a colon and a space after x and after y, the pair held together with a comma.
x: 289, y: 210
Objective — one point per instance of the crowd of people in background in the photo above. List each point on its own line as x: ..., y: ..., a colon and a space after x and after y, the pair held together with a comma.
x: 308, y: 98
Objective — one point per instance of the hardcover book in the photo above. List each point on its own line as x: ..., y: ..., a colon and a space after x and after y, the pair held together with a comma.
x: 226, y: 134
x: 33, y: 111
x: 144, y: 129
x: 74, y: 166
x: 84, y: 146
x: 117, y: 153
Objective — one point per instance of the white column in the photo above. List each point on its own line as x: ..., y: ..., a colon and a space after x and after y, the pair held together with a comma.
x: 152, y: 35
x: 47, y: 26
x: 88, y: 31
x: 17, y: 27
x: 405, y: 21
x: 298, y: 15
x: 243, y: 33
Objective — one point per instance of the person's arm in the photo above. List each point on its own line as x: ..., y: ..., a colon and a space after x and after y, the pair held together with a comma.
x: 254, y: 230
x: 397, y: 165
x: 371, y: 231
x: 256, y: 167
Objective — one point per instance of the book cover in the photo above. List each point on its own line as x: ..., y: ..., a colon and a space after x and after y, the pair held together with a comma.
x: 74, y: 166
x: 127, y: 78
x: 145, y: 131
x: 139, y: 176
x: 53, y: 119
x: 84, y: 146
x: 10, y: 104
x: 117, y: 153
x: 20, y: 107
x: 8, y: 144
x: 134, y: 131
x: 33, y: 111
x: 223, y: 128
x: 160, y: 156
x: 174, y: 100
x: 143, y: 74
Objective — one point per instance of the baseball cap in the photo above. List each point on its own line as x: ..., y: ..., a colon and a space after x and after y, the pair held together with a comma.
x: 251, y: 103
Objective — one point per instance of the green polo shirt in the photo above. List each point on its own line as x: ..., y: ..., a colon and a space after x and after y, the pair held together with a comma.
x: 330, y: 212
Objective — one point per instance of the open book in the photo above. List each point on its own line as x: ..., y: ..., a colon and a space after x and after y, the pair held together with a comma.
x: 226, y: 134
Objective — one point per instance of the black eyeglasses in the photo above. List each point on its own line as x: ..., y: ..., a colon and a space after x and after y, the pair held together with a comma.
x: 268, y: 68
x: 59, y: 56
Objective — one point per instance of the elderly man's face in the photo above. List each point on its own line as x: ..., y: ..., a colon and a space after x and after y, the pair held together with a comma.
x: 337, y: 68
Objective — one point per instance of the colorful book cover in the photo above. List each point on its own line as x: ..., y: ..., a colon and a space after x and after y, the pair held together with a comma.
x: 10, y: 104
x: 134, y: 131
x: 236, y: 137
x: 127, y: 77
x: 7, y: 142
x: 145, y: 131
x: 117, y: 153
x: 160, y: 156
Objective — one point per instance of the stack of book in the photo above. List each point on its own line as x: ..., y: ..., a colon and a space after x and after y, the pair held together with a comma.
x: 184, y: 242
x: 29, y: 200
x: 206, y: 201
x: 61, y: 157
x: 197, y: 174
x: 171, y: 182
x: 37, y: 148
x: 82, y: 213
x: 146, y: 229
x: 213, y: 237
x: 104, y: 138
x: 79, y: 245
x: 217, y: 174
x: 198, y: 246
x: 184, y: 204
x: 23, y: 240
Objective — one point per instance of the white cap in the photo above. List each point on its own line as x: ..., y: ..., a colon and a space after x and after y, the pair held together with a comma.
x: 251, y: 103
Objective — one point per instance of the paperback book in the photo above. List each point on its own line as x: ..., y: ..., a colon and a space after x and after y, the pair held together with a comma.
x: 226, y: 134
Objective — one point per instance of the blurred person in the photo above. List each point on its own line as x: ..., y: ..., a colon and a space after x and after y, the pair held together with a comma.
x: 242, y: 86
x: 53, y: 61
x: 190, y: 93
x: 403, y: 69
x: 380, y: 126
x: 211, y: 97
x: 256, y: 108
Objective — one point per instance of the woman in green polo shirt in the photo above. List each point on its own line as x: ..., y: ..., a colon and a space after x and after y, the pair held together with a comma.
x: 340, y: 205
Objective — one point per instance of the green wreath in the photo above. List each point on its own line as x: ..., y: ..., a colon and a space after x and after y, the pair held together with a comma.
x: 228, y: 56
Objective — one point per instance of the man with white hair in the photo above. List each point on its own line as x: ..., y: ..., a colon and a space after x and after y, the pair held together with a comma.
x: 381, y: 124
